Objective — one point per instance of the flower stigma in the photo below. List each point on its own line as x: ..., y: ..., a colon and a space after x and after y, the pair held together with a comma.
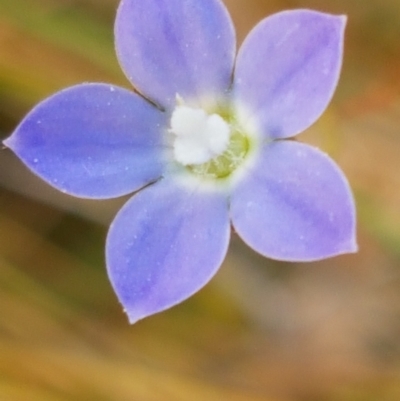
x: 208, y: 144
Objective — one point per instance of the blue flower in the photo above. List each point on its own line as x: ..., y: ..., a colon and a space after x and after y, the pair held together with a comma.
x: 205, y: 145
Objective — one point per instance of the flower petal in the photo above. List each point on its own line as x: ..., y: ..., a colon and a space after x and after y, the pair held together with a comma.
x: 287, y: 70
x: 92, y: 140
x: 170, y: 47
x: 164, y: 245
x: 295, y: 205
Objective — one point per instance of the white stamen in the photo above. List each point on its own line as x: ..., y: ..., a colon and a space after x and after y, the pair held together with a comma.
x: 199, y: 137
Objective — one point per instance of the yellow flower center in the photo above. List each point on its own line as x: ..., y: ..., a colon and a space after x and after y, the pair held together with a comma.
x: 210, y: 145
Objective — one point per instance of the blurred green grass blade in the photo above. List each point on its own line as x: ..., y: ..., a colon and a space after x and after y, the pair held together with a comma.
x: 66, y: 26
x: 379, y: 222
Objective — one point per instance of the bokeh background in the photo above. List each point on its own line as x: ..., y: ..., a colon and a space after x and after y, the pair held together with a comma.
x: 261, y: 330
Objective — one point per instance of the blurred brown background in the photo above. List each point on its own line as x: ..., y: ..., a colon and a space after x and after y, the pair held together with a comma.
x: 261, y: 330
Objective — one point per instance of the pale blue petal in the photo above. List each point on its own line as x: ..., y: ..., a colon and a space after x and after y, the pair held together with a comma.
x: 164, y: 245
x: 295, y: 205
x: 92, y: 141
x: 287, y: 70
x: 170, y: 47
